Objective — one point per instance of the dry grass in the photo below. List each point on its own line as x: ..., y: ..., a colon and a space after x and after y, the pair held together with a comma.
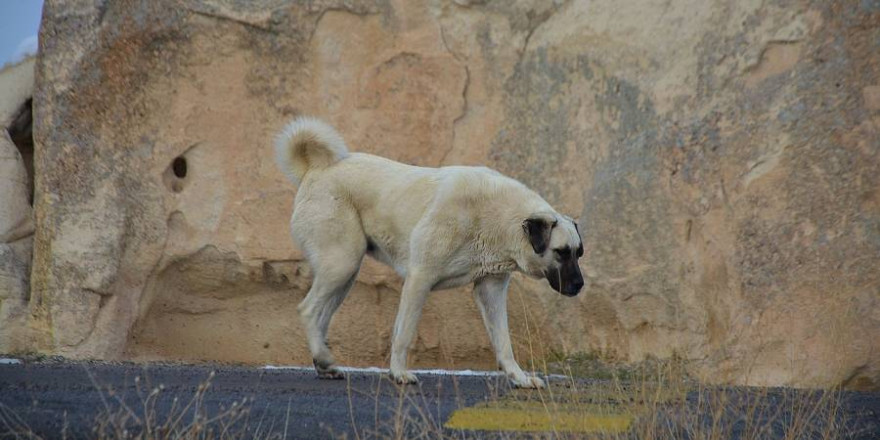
x: 188, y: 419
x: 191, y: 418
x: 659, y: 398
x: 413, y: 416
x: 662, y: 401
x: 665, y: 403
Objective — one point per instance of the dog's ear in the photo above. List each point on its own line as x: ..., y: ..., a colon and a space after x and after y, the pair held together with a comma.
x: 537, y: 229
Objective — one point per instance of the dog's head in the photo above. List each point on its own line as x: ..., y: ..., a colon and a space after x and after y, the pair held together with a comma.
x: 555, y: 248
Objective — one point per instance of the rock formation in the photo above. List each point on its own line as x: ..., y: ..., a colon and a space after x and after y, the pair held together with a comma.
x: 722, y: 158
x: 16, y: 213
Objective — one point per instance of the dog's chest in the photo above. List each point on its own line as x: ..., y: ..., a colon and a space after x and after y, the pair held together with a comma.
x: 464, y: 271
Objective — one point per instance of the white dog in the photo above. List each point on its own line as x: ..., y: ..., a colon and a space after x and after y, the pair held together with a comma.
x: 439, y: 228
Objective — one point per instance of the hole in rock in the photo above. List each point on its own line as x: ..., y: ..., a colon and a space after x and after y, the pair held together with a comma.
x: 179, y: 167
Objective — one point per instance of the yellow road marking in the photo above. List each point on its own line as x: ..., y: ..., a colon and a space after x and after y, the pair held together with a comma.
x: 599, y: 409
x: 505, y: 419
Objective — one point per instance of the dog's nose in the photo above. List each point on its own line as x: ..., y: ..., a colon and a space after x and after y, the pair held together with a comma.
x: 574, y: 287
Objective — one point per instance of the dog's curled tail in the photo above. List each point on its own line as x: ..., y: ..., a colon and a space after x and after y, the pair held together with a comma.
x: 307, y: 144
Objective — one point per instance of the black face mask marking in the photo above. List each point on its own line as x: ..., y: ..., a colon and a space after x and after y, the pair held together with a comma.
x: 566, y: 278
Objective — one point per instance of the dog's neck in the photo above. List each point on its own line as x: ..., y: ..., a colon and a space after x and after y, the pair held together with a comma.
x: 497, y: 266
x: 503, y: 242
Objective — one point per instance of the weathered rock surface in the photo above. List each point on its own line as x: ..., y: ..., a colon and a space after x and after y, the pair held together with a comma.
x: 16, y: 87
x: 16, y: 213
x: 16, y: 244
x: 722, y: 159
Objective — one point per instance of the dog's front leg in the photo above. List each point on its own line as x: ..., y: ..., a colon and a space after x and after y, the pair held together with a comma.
x: 416, y: 288
x: 491, y: 296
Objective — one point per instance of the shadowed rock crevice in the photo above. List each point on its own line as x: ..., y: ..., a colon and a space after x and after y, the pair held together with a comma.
x: 22, y: 135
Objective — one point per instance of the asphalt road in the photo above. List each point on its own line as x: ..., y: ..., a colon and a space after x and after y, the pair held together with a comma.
x: 85, y: 400
x: 72, y: 399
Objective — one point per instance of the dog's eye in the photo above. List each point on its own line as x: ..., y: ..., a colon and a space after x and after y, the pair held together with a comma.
x: 559, y: 253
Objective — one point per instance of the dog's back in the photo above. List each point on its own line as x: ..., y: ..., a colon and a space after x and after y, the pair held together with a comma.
x: 389, y: 198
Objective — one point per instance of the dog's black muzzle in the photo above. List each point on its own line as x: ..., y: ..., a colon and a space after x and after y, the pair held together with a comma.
x: 567, y: 279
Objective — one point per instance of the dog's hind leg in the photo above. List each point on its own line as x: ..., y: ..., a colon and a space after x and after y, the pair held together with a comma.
x: 334, y: 277
x: 331, y: 235
x: 491, y: 295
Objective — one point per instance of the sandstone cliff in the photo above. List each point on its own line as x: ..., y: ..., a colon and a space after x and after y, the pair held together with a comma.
x: 721, y: 156
x: 16, y: 191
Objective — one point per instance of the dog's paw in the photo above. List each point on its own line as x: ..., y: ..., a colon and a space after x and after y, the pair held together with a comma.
x: 530, y: 382
x: 329, y: 372
x: 404, y: 378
